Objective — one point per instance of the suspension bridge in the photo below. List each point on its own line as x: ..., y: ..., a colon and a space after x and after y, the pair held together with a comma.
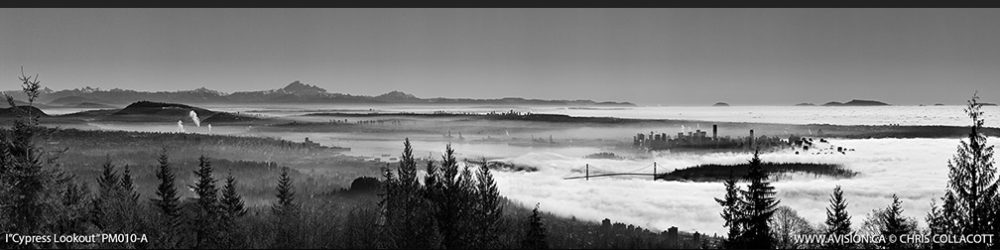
x: 602, y: 173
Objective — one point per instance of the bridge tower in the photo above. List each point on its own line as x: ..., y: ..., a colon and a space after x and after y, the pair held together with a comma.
x: 654, y: 171
x: 588, y: 172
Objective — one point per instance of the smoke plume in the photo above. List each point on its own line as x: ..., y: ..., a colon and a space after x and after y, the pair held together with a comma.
x: 194, y: 118
x: 180, y: 126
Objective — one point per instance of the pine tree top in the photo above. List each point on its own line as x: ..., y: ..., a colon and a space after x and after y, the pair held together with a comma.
x: 231, y: 200
x: 167, y: 199
x: 837, y: 219
x: 109, y: 177
x: 284, y: 193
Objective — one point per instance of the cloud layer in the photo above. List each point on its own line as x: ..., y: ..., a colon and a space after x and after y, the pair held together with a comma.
x: 914, y: 169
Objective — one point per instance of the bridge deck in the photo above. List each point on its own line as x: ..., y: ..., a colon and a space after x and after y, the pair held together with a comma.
x: 607, y: 175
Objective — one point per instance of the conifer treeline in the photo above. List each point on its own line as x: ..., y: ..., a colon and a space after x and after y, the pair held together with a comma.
x: 748, y: 212
x: 453, y: 207
x: 970, y: 205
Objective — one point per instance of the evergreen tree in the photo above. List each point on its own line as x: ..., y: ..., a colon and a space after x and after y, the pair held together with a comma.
x: 107, y: 190
x: 32, y: 199
x: 233, y: 209
x: 167, y: 202
x: 115, y: 207
x: 894, y: 224
x: 73, y: 217
x: 207, y: 210
x: 535, y: 238
x: 166, y: 199
x: 128, y: 185
x: 127, y: 203
x: 286, y: 213
x: 938, y: 223
x: 455, y: 212
x: 75, y: 197
x: 433, y: 195
x: 970, y: 205
x: 30, y: 184
x: 388, y: 209
x: 838, y: 222
x: 407, y: 170
x: 489, y: 210
x: 359, y: 226
x: 232, y: 203
x: 109, y: 177
x: 759, y: 203
x: 431, y: 179
x: 408, y: 214
x: 286, y: 196
x: 732, y: 212
x: 401, y: 200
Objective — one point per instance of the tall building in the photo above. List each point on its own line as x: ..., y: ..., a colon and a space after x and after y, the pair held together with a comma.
x: 715, y: 132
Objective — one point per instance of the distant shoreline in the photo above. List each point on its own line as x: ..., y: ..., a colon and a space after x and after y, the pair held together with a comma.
x: 770, y: 129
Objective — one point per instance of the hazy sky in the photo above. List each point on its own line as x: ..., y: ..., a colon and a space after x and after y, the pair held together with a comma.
x: 647, y: 56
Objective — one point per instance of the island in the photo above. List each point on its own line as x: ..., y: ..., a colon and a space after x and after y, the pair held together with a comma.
x: 857, y: 102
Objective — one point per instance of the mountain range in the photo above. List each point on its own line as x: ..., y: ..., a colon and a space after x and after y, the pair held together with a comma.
x: 295, y: 92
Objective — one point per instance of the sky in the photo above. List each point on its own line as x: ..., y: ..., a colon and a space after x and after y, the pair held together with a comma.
x: 645, y: 56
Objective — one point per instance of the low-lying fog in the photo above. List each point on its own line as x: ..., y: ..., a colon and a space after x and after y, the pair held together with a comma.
x: 914, y: 169
x: 951, y: 115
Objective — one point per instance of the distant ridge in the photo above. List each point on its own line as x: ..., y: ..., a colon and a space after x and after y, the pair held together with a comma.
x: 147, y: 111
x: 857, y: 102
x: 161, y: 109
x: 11, y: 112
x: 720, y: 104
x: 294, y: 92
x: 396, y: 95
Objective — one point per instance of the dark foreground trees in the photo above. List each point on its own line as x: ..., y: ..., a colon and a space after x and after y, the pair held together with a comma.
x: 786, y: 225
x: 971, y: 204
x: 32, y: 186
x: 893, y: 223
x: 748, y: 215
x: 838, y: 222
x: 535, y: 237
x: 116, y: 206
x: 888, y: 222
x: 286, y: 213
x: 207, y: 212
x: 732, y: 213
x: 166, y: 203
x: 451, y: 209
